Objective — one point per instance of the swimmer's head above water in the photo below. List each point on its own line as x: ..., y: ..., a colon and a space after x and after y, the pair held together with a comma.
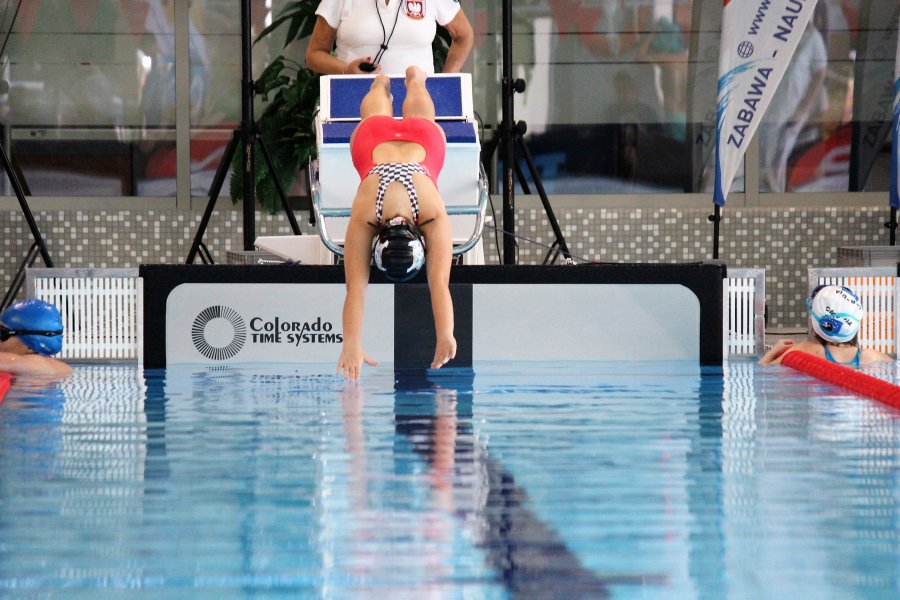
x: 399, y: 249
x: 836, y: 313
x: 35, y: 323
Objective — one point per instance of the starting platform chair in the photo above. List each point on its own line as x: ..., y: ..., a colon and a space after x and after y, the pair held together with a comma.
x: 462, y: 182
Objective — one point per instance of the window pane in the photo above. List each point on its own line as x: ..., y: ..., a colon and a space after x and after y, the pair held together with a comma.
x: 872, y: 39
x: 804, y: 123
x: 216, y: 90
x: 607, y: 104
x: 215, y: 58
x: 828, y: 126
x: 91, y: 94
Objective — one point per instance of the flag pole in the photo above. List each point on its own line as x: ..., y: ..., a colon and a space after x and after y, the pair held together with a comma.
x: 716, y: 218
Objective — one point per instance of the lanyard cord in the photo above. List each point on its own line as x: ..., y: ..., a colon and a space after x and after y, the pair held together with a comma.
x: 385, y: 38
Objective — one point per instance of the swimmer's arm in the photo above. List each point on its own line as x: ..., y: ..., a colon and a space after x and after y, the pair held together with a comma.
x: 438, y: 259
x: 775, y: 352
x: 784, y: 347
x: 33, y: 364
x: 357, y: 252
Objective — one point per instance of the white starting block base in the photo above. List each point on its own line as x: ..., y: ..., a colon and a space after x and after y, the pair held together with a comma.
x: 219, y: 314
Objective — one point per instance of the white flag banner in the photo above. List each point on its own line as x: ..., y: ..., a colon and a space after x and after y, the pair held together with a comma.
x: 758, y: 40
x: 895, y: 125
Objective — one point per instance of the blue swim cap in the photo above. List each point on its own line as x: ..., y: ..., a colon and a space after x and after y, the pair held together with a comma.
x: 36, y: 323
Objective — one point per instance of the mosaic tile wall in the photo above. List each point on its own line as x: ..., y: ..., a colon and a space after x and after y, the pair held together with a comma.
x: 783, y: 242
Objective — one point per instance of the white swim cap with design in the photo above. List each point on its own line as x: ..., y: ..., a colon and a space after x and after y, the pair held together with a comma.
x: 836, y: 313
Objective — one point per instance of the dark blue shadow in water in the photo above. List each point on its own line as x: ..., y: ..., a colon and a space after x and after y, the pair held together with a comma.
x: 707, y: 549
x: 529, y: 557
x: 156, y: 462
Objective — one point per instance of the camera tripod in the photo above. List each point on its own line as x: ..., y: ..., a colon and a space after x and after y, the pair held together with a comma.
x: 247, y: 136
x: 20, y: 188
x: 509, y: 137
x: 37, y: 247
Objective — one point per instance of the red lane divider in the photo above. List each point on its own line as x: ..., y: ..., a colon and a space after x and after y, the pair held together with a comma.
x: 5, y: 382
x: 853, y: 380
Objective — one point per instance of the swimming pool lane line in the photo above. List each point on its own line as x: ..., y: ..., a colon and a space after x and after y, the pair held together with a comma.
x: 851, y: 379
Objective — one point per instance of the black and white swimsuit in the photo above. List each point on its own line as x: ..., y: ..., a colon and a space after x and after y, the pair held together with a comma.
x: 388, y: 173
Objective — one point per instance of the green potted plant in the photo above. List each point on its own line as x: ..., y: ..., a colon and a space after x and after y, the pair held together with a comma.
x: 287, y: 122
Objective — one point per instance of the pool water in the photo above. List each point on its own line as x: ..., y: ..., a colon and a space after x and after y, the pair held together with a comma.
x: 518, y: 480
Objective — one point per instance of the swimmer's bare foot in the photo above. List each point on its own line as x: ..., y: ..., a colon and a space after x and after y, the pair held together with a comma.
x: 414, y: 73
x: 382, y: 81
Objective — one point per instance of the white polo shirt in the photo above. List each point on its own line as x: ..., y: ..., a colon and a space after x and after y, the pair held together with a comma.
x: 359, y: 32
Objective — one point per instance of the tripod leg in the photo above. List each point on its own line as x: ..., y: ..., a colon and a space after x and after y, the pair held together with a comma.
x: 205, y: 257
x: 214, y: 190
x: 19, y: 278
x: 552, y: 254
x: 520, y: 174
x: 23, y: 204
x: 539, y: 185
x: 281, y: 193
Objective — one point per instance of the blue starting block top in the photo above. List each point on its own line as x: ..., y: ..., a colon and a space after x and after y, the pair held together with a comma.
x: 457, y: 132
x: 347, y: 93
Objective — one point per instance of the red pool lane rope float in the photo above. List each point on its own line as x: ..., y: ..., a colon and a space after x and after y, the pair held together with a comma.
x: 5, y: 382
x: 853, y: 380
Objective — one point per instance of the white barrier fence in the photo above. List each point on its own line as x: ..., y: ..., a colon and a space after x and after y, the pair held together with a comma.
x: 877, y: 288
x: 101, y: 310
x: 744, y: 311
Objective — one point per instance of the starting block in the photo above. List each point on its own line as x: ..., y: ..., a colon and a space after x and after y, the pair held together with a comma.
x: 462, y: 182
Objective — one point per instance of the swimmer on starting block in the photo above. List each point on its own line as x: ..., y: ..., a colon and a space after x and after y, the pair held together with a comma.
x: 836, y: 315
x: 397, y: 212
x: 31, y: 332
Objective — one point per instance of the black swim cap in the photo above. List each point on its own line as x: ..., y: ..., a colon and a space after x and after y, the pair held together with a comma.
x: 399, y: 250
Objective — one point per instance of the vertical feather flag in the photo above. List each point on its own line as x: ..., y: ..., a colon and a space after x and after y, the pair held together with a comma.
x: 759, y: 38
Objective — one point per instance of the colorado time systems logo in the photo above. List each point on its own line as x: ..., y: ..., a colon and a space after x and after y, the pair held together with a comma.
x: 220, y: 332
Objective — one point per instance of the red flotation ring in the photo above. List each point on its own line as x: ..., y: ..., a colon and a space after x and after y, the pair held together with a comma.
x: 5, y: 382
x: 853, y: 380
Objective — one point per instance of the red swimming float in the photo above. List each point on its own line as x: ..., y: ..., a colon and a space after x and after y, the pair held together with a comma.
x: 5, y: 382
x: 853, y: 380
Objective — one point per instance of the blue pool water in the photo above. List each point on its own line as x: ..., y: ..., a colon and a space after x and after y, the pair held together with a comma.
x: 523, y: 480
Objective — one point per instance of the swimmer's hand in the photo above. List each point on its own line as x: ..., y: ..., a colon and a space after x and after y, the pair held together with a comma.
x: 444, y: 351
x: 350, y: 363
x: 776, y: 352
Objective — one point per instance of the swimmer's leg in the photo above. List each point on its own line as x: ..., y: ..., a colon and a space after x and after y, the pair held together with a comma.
x: 378, y: 100
x: 418, y: 101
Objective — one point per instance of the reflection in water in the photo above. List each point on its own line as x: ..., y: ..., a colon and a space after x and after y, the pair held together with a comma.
x: 629, y: 481
x: 804, y: 464
x: 464, y: 516
x: 435, y: 415
x: 71, y: 466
